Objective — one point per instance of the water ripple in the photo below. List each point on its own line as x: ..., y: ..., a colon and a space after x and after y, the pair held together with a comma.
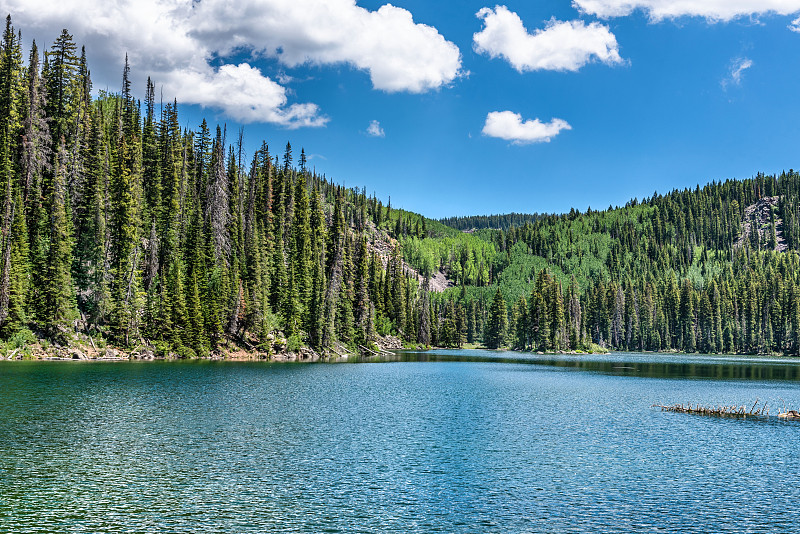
x: 395, y: 447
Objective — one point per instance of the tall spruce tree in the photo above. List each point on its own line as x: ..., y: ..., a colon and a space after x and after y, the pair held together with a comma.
x: 498, y: 322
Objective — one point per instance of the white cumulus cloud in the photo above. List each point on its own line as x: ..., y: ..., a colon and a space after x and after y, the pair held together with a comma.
x: 247, y: 94
x: 399, y: 54
x: 374, y: 129
x: 714, y: 10
x: 795, y: 25
x: 187, y: 47
x: 510, y: 126
x: 561, y: 45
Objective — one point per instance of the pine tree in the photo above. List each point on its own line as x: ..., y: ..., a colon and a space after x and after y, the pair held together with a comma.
x: 217, y: 193
x: 575, y: 314
x: 151, y: 175
x: 498, y: 322
x: 362, y: 308
x: 175, y: 318
x: 618, y: 315
x: 558, y: 334
x: 196, y: 335
x: 472, y: 323
x: 90, y: 265
x: 63, y: 87
x: 521, y: 328
x: 316, y: 316
x: 301, y: 246
x: 10, y: 201
x: 686, y: 317
x: 13, y: 314
x: 36, y: 153
x: 54, y: 298
x: 424, y: 335
x: 345, y: 322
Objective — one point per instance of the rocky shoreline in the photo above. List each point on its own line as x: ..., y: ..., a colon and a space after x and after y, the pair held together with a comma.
x: 87, y: 350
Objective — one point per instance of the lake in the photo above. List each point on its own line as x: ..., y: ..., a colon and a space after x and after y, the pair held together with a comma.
x: 443, y: 441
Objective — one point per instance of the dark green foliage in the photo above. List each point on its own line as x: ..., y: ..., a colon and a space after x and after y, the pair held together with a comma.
x: 497, y: 222
x: 53, y: 296
x: 498, y: 322
x: 146, y: 233
x: 63, y: 86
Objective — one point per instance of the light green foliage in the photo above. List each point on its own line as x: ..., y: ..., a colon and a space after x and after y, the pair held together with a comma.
x: 464, y: 258
x: 670, y: 272
x: 22, y: 338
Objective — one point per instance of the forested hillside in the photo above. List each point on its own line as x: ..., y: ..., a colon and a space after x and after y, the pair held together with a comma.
x: 121, y: 227
x: 712, y: 269
x: 498, y: 222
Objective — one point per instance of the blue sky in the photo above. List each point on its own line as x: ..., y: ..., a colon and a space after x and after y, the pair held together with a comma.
x: 631, y: 96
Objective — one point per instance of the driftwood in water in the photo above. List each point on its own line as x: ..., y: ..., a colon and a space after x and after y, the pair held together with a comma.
x: 365, y: 349
x: 379, y: 352
x: 719, y: 411
x: 344, y: 354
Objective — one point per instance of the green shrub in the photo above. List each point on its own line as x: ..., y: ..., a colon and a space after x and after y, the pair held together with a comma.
x: 383, y: 326
x: 272, y: 323
x: 594, y: 348
x: 184, y: 353
x: 21, y: 339
x: 294, y: 343
x: 161, y: 349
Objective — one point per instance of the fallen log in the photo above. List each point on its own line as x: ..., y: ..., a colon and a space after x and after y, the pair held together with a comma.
x: 340, y: 354
x: 379, y: 352
x: 719, y: 411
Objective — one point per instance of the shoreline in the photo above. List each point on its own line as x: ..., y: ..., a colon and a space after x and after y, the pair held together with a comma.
x: 305, y: 355
x: 276, y: 351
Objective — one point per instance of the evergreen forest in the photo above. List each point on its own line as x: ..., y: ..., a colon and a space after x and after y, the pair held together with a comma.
x: 119, y: 226
x: 122, y: 226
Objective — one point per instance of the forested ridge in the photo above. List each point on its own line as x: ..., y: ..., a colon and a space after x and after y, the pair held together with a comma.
x: 120, y: 227
x: 711, y: 269
x: 498, y: 222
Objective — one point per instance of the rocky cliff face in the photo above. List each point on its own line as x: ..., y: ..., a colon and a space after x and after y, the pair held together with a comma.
x: 762, y: 227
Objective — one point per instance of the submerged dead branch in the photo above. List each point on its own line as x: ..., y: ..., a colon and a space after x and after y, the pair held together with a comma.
x: 721, y: 410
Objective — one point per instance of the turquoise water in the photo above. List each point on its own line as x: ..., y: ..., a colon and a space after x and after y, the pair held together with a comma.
x: 497, y: 443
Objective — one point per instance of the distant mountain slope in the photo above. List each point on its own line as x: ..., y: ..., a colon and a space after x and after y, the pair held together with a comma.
x: 497, y: 222
x: 713, y: 269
